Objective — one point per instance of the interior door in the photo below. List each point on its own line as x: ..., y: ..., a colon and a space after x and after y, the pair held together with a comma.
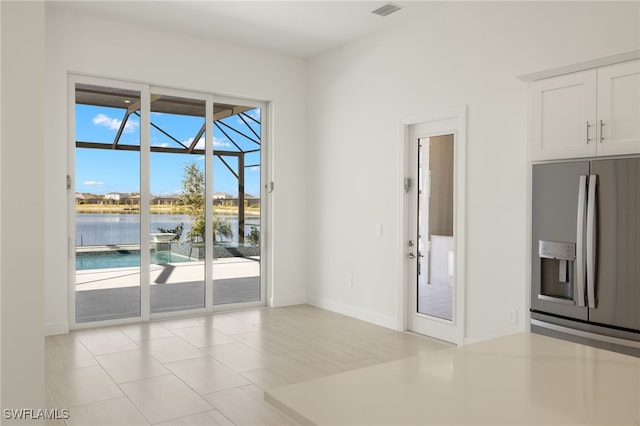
x: 432, y: 303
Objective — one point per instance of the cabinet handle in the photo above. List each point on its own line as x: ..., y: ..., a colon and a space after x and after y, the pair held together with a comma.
x: 601, y: 127
x: 588, y: 138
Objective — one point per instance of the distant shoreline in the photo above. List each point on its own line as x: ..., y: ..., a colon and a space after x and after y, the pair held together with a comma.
x: 159, y: 209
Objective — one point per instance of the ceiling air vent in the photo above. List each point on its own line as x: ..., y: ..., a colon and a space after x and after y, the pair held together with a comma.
x: 386, y: 10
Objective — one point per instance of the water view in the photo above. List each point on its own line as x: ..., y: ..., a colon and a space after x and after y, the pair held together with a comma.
x: 107, y: 229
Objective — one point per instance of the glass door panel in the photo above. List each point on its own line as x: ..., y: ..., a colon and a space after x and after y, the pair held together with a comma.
x: 177, y: 204
x: 236, y: 204
x: 435, y: 227
x: 107, y: 207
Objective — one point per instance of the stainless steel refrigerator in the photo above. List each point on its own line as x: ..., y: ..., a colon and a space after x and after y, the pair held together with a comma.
x: 585, y: 263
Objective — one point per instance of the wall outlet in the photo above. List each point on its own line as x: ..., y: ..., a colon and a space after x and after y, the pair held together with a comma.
x: 513, y: 316
x: 350, y: 281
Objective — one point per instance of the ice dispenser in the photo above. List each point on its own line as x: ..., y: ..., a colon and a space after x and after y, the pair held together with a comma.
x: 557, y: 271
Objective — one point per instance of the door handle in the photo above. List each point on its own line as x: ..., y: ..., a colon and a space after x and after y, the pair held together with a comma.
x: 592, y: 221
x: 411, y: 255
x: 580, y: 261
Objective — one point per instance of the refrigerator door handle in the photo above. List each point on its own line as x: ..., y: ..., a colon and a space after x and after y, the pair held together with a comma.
x: 591, y: 241
x: 580, y: 263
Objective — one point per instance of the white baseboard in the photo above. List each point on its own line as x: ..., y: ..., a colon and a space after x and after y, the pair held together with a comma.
x: 354, y: 312
x: 277, y: 302
x: 53, y: 328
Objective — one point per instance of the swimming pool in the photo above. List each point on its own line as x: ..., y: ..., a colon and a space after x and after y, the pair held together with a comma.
x: 123, y: 259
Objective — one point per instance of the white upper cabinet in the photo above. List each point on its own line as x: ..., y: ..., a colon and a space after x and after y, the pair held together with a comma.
x: 619, y: 109
x: 586, y: 114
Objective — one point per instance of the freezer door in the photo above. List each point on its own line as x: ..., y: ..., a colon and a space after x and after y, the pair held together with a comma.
x: 555, y: 211
x: 618, y: 235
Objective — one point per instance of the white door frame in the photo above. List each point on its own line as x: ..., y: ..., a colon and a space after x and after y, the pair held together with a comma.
x: 448, y: 121
x: 266, y: 223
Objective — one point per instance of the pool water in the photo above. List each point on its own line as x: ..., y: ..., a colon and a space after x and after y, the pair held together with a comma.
x: 123, y: 259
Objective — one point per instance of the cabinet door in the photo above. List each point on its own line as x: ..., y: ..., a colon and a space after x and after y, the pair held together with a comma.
x: 563, y: 116
x: 619, y: 109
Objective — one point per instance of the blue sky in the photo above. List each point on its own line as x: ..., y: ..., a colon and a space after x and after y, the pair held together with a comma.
x: 101, y: 171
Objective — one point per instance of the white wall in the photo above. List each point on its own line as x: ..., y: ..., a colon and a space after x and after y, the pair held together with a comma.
x: 22, y: 177
x: 460, y: 54
x: 120, y: 50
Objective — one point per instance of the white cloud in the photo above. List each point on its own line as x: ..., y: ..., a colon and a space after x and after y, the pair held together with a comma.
x: 217, y: 143
x: 255, y: 113
x: 221, y: 143
x: 114, y: 123
x: 161, y: 145
x: 93, y: 183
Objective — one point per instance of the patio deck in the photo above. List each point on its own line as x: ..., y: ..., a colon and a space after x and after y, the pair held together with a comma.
x: 113, y: 293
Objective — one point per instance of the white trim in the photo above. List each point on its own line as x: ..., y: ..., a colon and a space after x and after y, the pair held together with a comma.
x: 277, y: 302
x: 450, y: 120
x: 208, y: 205
x: 348, y: 310
x: 267, y: 234
x: 218, y: 99
x: 71, y: 220
x: 468, y: 341
x: 53, y: 328
x: 145, y: 202
x: 121, y: 321
x: 237, y: 306
x: 266, y: 202
x: 582, y: 66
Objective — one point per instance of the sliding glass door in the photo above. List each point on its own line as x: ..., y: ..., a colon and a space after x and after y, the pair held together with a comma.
x: 167, y: 207
x: 107, y: 218
x: 236, y: 200
x: 177, y: 203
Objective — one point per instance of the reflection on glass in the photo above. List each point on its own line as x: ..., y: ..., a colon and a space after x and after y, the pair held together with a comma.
x: 236, y: 200
x: 177, y: 204
x: 435, y: 227
x: 107, y: 204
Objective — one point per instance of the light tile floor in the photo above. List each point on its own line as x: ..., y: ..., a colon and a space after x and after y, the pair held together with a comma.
x: 209, y: 370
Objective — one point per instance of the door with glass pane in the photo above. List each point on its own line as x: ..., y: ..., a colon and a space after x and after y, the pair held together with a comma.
x: 107, y: 203
x: 431, y: 253
x: 177, y: 203
x: 237, y: 203
x: 167, y: 211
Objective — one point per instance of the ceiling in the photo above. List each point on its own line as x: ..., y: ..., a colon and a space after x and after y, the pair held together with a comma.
x: 296, y: 28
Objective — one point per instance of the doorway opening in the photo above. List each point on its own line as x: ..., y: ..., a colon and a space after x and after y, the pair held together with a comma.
x: 166, y: 215
x: 434, y: 222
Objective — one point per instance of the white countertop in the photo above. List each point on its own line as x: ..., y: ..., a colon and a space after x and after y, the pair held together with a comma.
x: 523, y: 379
